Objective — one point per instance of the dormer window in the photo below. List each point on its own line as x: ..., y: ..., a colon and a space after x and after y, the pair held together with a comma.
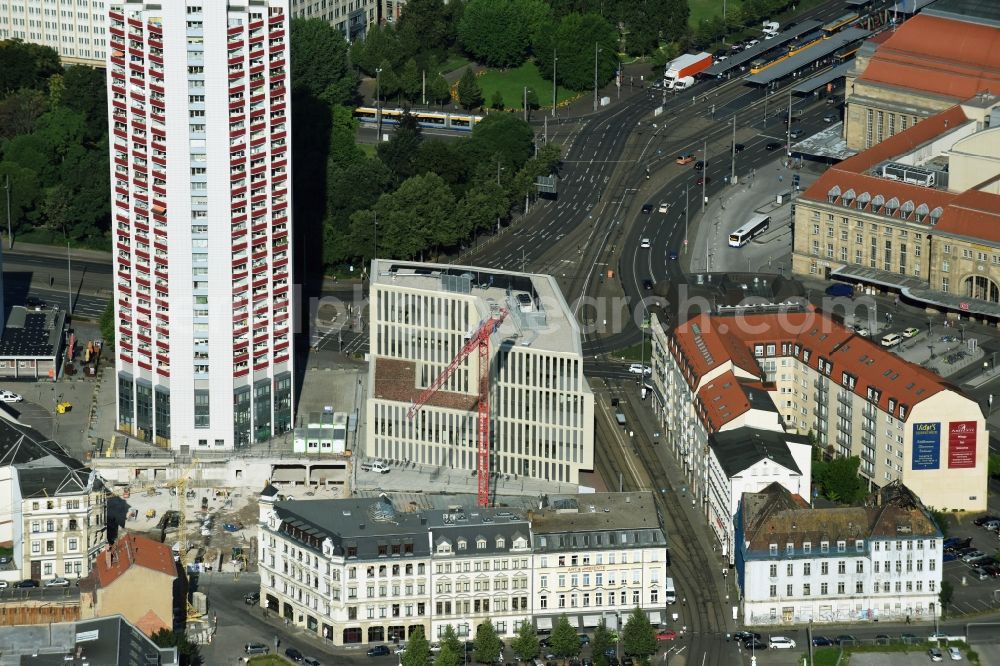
x: 444, y: 548
x: 501, y: 543
x: 481, y: 543
x: 462, y: 544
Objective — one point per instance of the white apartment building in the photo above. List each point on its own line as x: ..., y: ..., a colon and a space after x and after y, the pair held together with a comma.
x: 74, y: 28
x: 201, y: 195
x: 541, y: 406
x: 747, y: 460
x: 598, y: 556
x: 365, y: 570
x: 854, y: 396
x: 799, y: 565
x: 53, y: 509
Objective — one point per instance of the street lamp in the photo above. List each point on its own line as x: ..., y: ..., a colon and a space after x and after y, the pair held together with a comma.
x: 378, y: 103
x: 555, y: 59
x: 10, y: 234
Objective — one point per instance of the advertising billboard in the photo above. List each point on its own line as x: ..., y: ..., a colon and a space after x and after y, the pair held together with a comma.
x: 926, y: 446
x: 961, y: 444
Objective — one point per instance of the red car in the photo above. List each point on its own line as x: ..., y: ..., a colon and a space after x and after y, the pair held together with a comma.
x: 666, y: 635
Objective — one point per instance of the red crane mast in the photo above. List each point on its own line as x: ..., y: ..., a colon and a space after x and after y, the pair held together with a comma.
x: 481, y: 340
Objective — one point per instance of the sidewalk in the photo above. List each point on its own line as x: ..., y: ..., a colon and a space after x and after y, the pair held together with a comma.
x: 58, y: 252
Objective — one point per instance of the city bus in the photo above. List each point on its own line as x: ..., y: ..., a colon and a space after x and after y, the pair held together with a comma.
x: 757, y: 225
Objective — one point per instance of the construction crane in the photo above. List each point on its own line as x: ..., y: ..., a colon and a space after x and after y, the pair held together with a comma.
x: 480, y: 339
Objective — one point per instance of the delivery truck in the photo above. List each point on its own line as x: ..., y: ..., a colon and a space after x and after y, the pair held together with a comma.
x: 686, y: 66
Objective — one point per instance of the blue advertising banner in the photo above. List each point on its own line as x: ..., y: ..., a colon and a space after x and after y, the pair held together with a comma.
x: 926, y: 446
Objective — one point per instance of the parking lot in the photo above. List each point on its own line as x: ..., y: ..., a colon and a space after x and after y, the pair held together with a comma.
x: 972, y: 595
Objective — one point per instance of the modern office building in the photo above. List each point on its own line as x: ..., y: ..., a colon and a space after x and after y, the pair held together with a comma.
x: 940, y: 57
x: 541, y: 406
x: 799, y: 565
x: 854, y: 396
x: 200, y: 171
x: 369, y: 570
x: 916, y: 214
x: 76, y: 30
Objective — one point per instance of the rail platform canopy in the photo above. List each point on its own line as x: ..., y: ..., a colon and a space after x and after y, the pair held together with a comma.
x: 745, y: 56
x: 807, y: 57
x: 826, y: 77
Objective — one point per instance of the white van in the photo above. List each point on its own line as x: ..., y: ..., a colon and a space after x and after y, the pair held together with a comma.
x: 670, y: 593
x: 891, y: 339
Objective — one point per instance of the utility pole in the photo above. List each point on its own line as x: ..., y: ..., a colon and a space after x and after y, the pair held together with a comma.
x: 525, y: 103
x: 375, y: 243
x: 595, y: 76
x: 788, y: 130
x: 704, y: 174
x: 378, y: 103
x: 687, y: 202
x: 423, y: 87
x: 69, y: 278
x: 555, y: 59
x: 10, y: 234
x: 732, y: 171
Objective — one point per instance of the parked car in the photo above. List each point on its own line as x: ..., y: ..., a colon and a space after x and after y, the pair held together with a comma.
x: 4, y: 585
x: 979, y: 573
x: 251, y: 598
x: 10, y: 396
x: 991, y: 525
x: 935, y: 654
x: 954, y: 654
x: 311, y: 661
x: 978, y: 522
x: 882, y: 639
x: 27, y: 583
x: 584, y: 639
x: 379, y: 651
x: 755, y: 644
x: 639, y: 369
x: 846, y: 639
x: 256, y: 648
x: 910, y: 331
x: 666, y: 635
x: 58, y: 581
x: 821, y: 641
x: 293, y: 654
x: 781, y: 643
x: 975, y: 554
x: 744, y: 636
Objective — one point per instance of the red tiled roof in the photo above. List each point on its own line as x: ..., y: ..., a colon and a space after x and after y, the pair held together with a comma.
x: 150, y: 623
x: 132, y: 550
x: 723, y: 398
x: 941, y: 56
x: 973, y: 213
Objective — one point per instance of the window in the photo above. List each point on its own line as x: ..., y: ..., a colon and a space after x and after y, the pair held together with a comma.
x: 823, y: 589
x: 773, y: 572
x: 773, y: 549
x: 841, y: 567
x: 824, y: 568
x: 774, y: 590
x: 807, y: 569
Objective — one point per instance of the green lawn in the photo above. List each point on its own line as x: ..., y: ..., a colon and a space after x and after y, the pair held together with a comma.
x: 368, y: 149
x: 511, y: 84
x: 269, y: 660
x: 635, y: 352
x: 826, y: 656
x: 454, y: 61
x: 47, y: 237
x: 703, y: 9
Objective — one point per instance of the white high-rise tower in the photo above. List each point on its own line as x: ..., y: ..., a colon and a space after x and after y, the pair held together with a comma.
x: 200, y: 124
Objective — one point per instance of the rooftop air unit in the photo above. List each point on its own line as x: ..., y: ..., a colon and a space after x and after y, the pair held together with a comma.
x: 909, y: 174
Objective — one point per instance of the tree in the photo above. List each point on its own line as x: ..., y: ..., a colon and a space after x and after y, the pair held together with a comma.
x: 573, y: 38
x: 380, y: 44
x: 84, y: 91
x: 993, y: 466
x: 532, y: 99
x: 19, y: 111
x: 388, y: 83
x: 503, y: 134
x: 482, y: 206
x: 190, y: 653
x: 600, y: 643
x: 418, y: 651
x: 564, y: 641
x: 424, y: 27
x: 320, y: 63
x: 107, y: 325
x: 411, y: 81
x: 487, y: 644
x: 452, y: 651
x: 25, y: 194
x: 399, y: 153
x: 438, y: 90
x: 638, y: 637
x: 445, y: 158
x: 496, y: 100
x: 525, y: 643
x: 26, y: 65
x: 839, y: 479
x: 496, y: 32
x: 945, y: 594
x: 470, y: 95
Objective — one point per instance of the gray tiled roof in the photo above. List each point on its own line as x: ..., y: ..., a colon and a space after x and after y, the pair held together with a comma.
x: 43, y: 466
x: 625, y: 520
x: 474, y: 524
x: 741, y: 448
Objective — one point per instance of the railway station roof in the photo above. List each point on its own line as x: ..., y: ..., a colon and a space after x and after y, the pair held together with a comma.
x: 826, y: 77
x: 808, y: 56
x: 745, y: 56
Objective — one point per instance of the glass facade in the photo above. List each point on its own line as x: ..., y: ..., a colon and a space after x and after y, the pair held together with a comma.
x: 283, y: 402
x: 262, y: 410
x: 162, y: 406
x: 201, y: 408
x: 126, y: 402
x: 241, y: 416
x: 144, y: 410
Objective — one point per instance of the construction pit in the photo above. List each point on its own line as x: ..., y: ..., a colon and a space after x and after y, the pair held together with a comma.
x: 211, y: 528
